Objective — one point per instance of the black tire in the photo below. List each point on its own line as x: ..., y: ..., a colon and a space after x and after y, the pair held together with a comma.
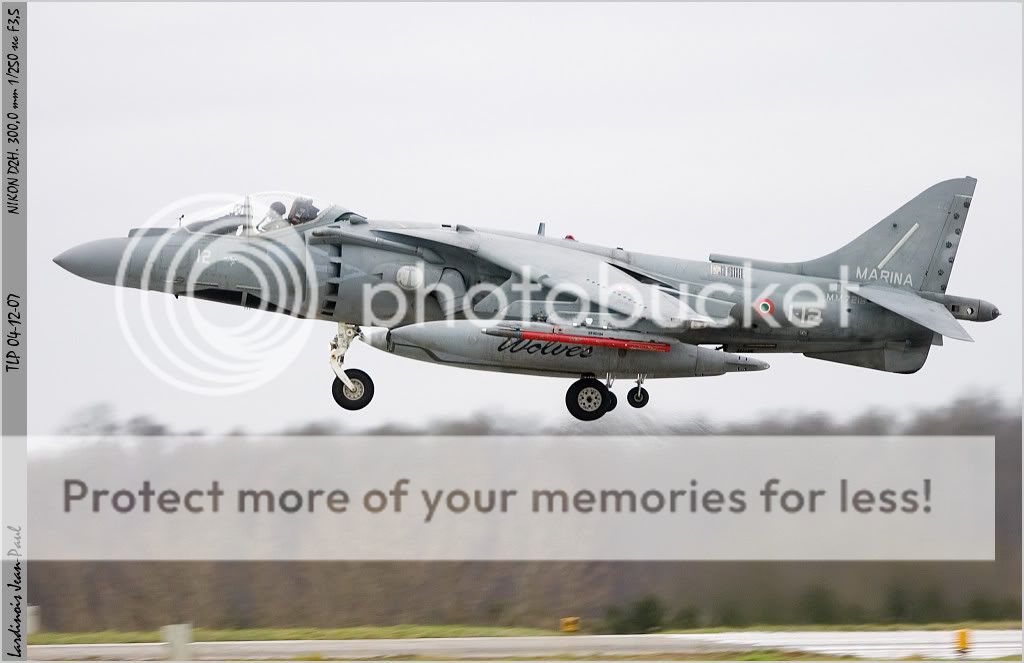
x: 612, y: 401
x: 587, y: 399
x: 638, y: 397
x: 362, y: 395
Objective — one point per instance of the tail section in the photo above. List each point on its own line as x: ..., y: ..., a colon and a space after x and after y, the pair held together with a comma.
x: 914, y: 247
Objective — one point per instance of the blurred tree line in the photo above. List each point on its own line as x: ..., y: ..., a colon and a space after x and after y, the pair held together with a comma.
x: 609, y: 596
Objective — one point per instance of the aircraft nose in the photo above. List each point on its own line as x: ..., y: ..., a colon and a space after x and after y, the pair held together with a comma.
x: 97, y: 261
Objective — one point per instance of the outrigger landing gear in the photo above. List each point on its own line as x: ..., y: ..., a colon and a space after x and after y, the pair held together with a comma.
x: 638, y: 396
x: 352, y: 388
x: 588, y: 399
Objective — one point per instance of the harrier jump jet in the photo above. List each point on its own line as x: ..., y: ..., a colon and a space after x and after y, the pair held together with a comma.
x: 529, y: 303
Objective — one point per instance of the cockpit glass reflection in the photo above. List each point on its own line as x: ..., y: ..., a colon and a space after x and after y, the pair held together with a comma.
x: 256, y: 214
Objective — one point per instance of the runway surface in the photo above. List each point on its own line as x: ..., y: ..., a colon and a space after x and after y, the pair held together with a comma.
x: 866, y: 644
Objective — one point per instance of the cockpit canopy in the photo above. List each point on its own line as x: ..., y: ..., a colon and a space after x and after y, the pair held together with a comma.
x: 258, y: 213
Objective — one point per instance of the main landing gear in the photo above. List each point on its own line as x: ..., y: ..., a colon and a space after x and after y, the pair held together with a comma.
x: 352, y: 388
x: 588, y: 398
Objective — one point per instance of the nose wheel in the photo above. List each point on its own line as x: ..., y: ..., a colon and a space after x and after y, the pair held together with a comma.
x: 352, y: 388
x: 357, y: 394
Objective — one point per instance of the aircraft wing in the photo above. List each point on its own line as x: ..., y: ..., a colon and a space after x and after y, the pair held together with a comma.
x: 924, y: 312
x: 572, y: 271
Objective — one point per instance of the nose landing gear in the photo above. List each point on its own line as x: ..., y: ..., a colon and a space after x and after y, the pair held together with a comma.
x: 358, y: 395
x: 352, y: 388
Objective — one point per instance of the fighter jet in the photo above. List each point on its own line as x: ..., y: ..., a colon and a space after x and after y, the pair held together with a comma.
x: 554, y: 306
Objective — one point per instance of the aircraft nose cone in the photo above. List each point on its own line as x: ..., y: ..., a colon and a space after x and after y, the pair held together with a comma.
x: 97, y: 261
x: 995, y: 313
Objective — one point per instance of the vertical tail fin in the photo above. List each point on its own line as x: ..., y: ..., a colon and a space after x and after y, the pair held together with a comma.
x: 914, y: 247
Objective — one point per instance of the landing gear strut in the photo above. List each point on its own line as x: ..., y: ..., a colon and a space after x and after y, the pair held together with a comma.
x: 352, y: 388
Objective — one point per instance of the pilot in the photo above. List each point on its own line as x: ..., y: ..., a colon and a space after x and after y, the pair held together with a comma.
x: 303, y: 210
x: 274, y: 219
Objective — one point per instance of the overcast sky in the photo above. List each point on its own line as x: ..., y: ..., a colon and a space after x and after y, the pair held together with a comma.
x: 777, y: 132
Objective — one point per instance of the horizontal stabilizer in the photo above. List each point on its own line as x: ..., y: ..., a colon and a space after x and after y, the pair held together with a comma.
x: 913, y: 307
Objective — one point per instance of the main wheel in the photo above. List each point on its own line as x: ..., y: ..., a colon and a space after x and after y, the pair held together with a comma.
x: 361, y: 393
x: 612, y: 401
x: 587, y: 399
x: 638, y: 397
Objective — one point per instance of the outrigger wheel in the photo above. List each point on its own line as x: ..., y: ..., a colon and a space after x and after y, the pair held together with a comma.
x: 588, y: 399
x: 361, y: 393
x: 638, y: 396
